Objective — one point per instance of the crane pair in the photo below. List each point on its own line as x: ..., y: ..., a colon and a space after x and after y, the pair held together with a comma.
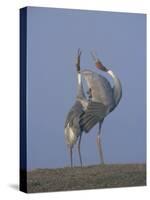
x: 89, y: 111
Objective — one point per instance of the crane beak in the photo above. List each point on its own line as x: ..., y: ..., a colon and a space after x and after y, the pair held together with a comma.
x: 98, y: 63
x: 78, y: 60
x: 93, y: 54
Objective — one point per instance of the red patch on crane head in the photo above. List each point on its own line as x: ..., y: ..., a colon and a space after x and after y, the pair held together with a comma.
x: 100, y: 66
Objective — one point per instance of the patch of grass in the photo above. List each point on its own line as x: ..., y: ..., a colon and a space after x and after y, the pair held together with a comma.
x: 90, y: 177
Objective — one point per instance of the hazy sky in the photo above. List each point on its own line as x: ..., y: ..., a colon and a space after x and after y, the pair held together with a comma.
x: 53, y: 37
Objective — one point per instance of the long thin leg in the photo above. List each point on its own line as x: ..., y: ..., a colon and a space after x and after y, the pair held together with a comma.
x: 99, y: 145
x: 70, y: 152
x: 79, y: 149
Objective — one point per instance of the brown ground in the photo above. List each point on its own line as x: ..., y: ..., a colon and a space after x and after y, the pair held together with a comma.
x: 90, y: 177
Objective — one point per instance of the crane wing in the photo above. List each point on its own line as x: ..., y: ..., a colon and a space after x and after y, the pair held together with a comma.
x: 74, y: 113
x: 94, y: 113
x: 101, y: 89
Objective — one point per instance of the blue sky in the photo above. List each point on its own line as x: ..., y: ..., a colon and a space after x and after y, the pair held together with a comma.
x: 53, y: 37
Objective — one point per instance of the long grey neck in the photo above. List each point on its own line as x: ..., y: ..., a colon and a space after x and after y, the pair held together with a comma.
x: 80, y: 90
x: 80, y: 93
x: 117, y: 88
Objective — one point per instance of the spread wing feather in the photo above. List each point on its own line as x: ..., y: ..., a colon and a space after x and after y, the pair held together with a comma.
x: 74, y: 113
x: 94, y: 113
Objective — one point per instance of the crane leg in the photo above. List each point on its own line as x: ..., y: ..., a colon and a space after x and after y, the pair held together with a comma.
x: 99, y: 145
x: 70, y: 152
x: 79, y: 152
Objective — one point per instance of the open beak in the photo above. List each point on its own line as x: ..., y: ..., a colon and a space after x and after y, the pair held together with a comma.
x: 78, y: 60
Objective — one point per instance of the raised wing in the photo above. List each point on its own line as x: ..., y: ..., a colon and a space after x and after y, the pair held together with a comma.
x: 100, y: 87
x: 94, y: 113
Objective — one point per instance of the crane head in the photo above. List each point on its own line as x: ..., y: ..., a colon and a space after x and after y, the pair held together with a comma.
x: 98, y: 63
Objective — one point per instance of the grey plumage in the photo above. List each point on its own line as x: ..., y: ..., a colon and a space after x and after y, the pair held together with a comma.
x: 94, y: 113
x: 72, y: 123
x: 100, y: 88
x: 74, y: 113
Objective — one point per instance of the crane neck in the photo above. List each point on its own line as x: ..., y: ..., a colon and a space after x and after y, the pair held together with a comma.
x: 79, y: 79
x: 117, y: 88
x: 80, y: 90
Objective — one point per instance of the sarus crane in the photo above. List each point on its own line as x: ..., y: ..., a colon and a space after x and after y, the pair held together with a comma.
x: 87, y: 112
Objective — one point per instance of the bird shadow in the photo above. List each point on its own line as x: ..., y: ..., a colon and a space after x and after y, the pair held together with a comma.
x: 14, y: 186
